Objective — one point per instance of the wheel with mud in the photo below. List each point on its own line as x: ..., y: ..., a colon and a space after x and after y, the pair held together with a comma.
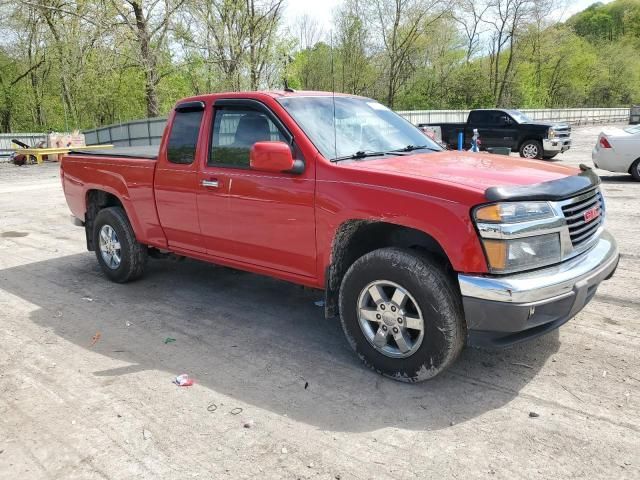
x: 402, y: 314
x: 531, y: 149
x: 119, y: 254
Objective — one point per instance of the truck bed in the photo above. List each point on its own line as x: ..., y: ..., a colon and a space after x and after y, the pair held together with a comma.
x: 126, y: 173
x: 146, y: 152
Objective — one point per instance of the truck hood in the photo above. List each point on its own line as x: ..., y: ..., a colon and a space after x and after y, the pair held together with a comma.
x: 557, y: 125
x: 477, y: 171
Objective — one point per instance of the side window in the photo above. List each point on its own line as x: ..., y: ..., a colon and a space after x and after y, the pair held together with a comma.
x: 235, y: 130
x: 478, y: 117
x: 499, y: 119
x: 184, y: 137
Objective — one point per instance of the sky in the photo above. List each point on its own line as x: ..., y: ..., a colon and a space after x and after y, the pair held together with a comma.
x: 322, y: 10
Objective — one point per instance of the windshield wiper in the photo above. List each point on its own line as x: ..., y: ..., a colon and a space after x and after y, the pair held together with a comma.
x: 358, y: 155
x: 411, y: 148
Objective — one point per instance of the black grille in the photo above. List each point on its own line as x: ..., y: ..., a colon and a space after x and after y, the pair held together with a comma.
x: 580, y: 230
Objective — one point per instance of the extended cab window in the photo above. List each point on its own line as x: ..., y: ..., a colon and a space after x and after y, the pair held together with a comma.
x: 184, y: 136
x: 235, y: 130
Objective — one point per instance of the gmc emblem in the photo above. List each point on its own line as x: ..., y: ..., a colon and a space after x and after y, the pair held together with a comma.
x: 592, y: 213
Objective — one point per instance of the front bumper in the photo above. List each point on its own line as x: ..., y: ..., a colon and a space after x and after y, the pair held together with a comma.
x: 556, y: 145
x: 503, y: 310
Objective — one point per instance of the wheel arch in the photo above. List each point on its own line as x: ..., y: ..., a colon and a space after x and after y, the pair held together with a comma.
x: 529, y: 138
x: 96, y: 200
x: 355, y: 238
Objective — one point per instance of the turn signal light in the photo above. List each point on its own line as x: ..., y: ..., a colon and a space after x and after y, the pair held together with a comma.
x: 604, y: 143
x: 490, y: 213
x: 496, y: 251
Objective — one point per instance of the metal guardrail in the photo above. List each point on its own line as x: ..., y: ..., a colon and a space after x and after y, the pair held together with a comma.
x: 574, y: 116
x: 131, y: 134
x: 149, y: 131
x: 31, y: 139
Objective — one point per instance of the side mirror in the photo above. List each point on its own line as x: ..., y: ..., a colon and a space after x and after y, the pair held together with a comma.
x: 274, y: 157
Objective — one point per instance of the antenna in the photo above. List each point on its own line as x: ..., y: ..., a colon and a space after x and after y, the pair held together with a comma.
x: 333, y: 99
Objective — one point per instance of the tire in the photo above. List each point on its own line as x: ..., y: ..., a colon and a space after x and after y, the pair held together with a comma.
x: 531, y: 149
x: 549, y: 157
x: 119, y: 240
x: 635, y: 170
x: 430, y: 295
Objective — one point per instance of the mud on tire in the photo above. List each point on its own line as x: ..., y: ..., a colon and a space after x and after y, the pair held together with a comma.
x: 436, y: 297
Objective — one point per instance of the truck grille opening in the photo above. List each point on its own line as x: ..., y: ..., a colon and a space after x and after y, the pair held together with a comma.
x: 584, y: 214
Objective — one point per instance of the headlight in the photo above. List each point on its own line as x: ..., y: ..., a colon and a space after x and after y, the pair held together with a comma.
x: 522, y: 253
x: 551, y: 133
x: 513, y: 212
x: 519, y: 236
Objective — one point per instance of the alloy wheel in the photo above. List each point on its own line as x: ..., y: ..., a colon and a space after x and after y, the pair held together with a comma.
x: 390, y: 319
x: 530, y: 151
x: 110, y: 247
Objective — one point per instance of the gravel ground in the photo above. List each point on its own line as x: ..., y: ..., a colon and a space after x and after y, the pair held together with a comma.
x: 85, y: 371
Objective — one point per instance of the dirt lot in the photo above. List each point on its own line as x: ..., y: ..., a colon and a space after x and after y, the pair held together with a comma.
x: 85, y: 373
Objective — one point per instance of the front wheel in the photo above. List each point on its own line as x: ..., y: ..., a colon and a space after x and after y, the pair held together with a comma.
x: 119, y: 254
x: 401, y: 314
x: 531, y: 149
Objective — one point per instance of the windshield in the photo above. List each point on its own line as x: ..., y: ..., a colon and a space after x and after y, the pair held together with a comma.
x: 361, y: 126
x: 519, y: 117
x: 634, y: 129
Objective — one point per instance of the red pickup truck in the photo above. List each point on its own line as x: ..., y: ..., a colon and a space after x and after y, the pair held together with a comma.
x: 419, y: 251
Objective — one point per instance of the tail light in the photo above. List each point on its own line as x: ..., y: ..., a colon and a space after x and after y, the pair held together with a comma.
x: 604, y: 143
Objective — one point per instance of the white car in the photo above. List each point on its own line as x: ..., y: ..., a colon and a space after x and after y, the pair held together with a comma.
x: 618, y: 150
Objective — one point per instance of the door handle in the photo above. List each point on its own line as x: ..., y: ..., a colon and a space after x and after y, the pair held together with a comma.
x: 210, y: 183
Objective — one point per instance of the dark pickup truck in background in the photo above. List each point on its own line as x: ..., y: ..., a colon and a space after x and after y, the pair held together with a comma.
x: 508, y: 128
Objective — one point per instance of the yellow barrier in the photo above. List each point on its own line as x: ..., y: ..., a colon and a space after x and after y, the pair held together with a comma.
x: 38, y: 153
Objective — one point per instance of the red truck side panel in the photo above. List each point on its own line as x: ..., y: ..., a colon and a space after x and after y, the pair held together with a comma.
x: 342, y: 197
x: 130, y: 180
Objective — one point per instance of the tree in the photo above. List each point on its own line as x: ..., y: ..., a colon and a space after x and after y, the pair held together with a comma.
x: 10, y: 76
x: 262, y: 20
x: 507, y: 18
x: 149, y: 24
x: 352, y: 46
x: 400, y: 23
x: 469, y: 16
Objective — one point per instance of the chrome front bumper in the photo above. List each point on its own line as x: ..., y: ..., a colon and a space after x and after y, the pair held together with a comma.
x: 554, y: 145
x: 502, y: 310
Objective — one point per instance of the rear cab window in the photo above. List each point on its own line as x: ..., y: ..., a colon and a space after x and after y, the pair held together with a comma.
x: 479, y: 117
x: 183, y: 139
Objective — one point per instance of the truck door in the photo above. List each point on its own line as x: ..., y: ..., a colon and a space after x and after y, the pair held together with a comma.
x: 176, y: 178
x: 493, y: 128
x: 507, y: 130
x: 270, y: 215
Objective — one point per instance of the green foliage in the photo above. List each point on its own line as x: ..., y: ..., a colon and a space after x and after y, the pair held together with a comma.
x: 84, y: 69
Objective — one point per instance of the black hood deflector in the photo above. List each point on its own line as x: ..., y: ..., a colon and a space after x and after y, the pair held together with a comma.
x: 553, y: 190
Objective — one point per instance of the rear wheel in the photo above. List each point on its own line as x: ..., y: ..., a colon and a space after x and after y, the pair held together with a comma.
x: 119, y: 254
x: 531, y: 149
x: 401, y: 314
x: 635, y: 170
